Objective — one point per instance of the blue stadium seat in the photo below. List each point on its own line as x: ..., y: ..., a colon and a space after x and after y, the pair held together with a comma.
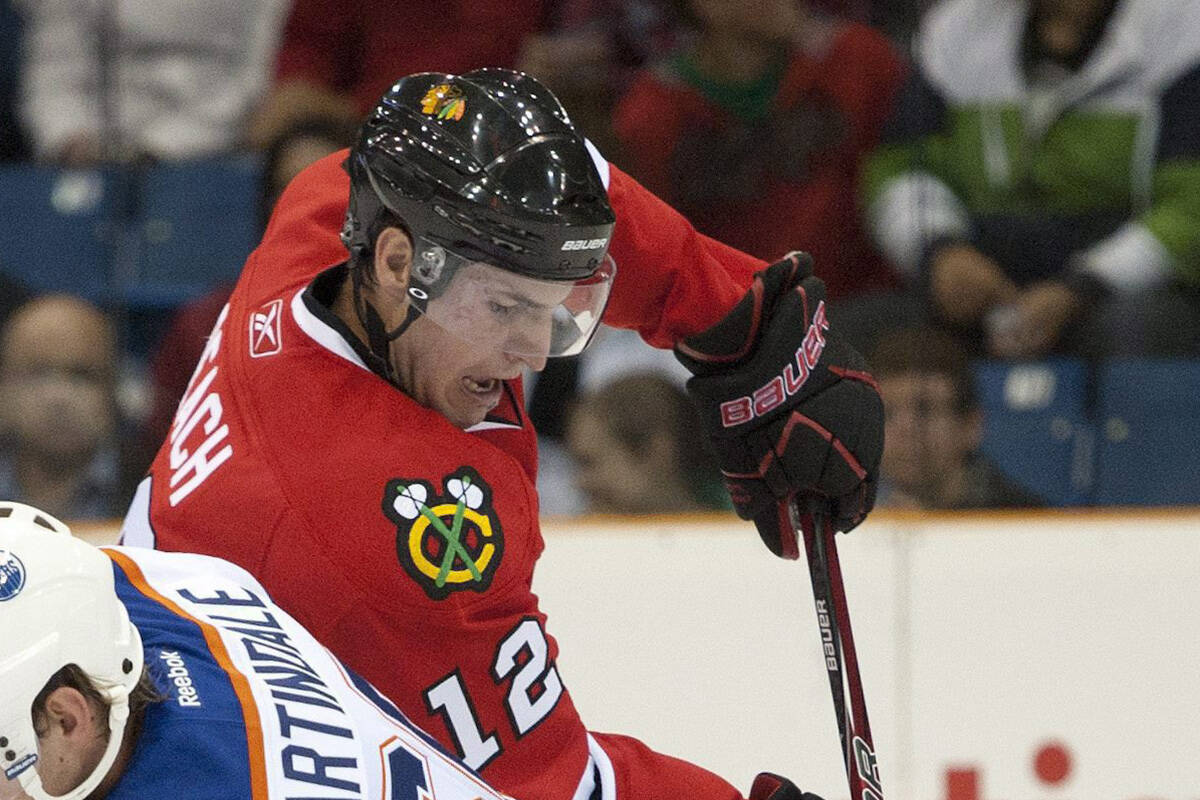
x: 57, y: 228
x: 1036, y: 428
x: 1149, y: 418
x: 198, y: 222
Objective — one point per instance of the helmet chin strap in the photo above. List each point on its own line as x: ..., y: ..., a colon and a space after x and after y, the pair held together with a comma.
x: 379, y: 338
x: 118, y: 716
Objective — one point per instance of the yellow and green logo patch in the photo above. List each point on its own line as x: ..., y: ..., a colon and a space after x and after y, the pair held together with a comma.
x: 446, y: 542
x: 444, y: 101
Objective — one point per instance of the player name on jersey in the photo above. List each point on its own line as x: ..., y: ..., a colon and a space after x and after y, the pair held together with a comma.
x: 309, y: 733
x: 312, y: 727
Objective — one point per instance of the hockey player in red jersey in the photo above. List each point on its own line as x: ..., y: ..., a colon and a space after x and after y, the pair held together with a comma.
x: 354, y: 433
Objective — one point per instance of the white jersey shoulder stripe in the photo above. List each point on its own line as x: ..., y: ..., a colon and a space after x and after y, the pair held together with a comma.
x: 321, y: 333
x: 600, y: 161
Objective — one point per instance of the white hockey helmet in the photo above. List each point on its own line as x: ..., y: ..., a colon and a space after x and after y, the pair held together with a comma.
x: 58, y: 606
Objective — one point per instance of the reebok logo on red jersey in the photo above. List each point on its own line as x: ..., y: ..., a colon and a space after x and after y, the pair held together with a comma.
x: 774, y: 392
x: 264, y: 330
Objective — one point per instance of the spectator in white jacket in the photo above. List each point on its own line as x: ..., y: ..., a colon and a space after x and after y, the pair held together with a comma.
x: 122, y: 79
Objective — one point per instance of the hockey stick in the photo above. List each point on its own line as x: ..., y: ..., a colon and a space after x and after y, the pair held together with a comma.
x: 841, y: 659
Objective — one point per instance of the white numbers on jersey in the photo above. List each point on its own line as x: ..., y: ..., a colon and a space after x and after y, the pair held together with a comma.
x: 190, y: 468
x: 450, y: 697
x: 525, y: 708
x: 533, y: 694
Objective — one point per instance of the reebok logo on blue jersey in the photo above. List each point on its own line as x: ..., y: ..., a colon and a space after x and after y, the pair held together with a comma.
x: 177, y: 673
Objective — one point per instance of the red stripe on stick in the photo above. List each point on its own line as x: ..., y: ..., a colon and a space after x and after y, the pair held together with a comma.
x: 790, y: 545
x: 858, y: 703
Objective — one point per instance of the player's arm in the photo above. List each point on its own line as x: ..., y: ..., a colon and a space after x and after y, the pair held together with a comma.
x: 668, y: 778
x: 672, y: 281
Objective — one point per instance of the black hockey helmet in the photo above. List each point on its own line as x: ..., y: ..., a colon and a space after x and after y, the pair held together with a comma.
x: 500, y: 196
x: 486, y: 164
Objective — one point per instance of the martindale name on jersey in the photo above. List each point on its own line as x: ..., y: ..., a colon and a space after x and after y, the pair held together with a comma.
x: 305, y: 728
x: 771, y: 394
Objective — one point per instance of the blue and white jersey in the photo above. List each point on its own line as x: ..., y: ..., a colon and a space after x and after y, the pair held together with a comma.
x: 255, y: 707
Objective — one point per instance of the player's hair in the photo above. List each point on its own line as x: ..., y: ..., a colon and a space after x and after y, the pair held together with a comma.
x: 926, y: 350
x: 144, y: 695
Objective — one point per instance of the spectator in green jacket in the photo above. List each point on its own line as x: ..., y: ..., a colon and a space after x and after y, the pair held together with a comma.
x: 1041, y: 176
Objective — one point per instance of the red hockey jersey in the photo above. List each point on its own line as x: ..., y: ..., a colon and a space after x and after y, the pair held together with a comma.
x: 407, y: 545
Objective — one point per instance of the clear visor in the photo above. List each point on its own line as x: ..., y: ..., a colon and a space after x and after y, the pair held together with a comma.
x: 514, y: 313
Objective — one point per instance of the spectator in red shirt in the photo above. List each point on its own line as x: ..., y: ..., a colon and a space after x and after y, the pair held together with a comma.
x: 336, y: 58
x: 755, y: 128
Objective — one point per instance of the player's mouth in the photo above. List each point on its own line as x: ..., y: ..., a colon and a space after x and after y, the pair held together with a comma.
x: 486, y: 391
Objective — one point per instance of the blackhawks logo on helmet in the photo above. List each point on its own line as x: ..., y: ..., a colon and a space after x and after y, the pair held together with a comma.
x: 446, y: 542
x: 444, y: 101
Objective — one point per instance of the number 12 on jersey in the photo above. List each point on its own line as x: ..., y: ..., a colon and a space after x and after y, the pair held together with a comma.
x: 524, y: 656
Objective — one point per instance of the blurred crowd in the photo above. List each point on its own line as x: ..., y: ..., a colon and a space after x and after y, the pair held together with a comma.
x: 976, y: 179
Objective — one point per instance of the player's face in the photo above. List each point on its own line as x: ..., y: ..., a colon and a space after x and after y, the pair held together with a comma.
x: 448, y: 372
x: 478, y: 325
x: 500, y: 310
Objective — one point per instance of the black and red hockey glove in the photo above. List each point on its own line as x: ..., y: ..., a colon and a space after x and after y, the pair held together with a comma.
x: 768, y: 786
x: 789, y: 405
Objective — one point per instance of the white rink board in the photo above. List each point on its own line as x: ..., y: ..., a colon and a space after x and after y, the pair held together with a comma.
x: 982, y: 640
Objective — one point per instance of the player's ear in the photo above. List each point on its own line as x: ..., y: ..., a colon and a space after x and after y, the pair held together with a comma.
x: 393, y: 261
x: 69, y: 714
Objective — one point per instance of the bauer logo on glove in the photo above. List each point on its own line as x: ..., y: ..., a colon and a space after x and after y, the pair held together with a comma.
x: 793, y: 414
x: 772, y: 394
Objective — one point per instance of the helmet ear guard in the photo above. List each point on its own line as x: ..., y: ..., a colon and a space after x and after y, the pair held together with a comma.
x: 58, y: 606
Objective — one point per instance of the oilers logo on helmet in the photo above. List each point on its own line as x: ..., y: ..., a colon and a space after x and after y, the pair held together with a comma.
x: 12, y: 575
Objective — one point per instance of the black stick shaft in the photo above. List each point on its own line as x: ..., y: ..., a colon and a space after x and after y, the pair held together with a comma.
x: 841, y: 658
